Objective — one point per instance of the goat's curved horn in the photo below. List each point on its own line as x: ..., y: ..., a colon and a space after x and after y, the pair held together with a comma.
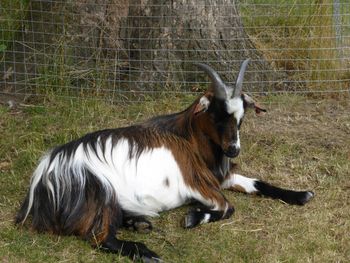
x: 239, y: 82
x: 220, y: 89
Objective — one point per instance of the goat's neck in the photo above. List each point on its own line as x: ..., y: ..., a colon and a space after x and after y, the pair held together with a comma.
x: 210, y: 151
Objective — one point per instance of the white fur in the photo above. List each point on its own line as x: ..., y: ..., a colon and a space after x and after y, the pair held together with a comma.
x: 238, y: 180
x: 235, y: 106
x: 205, y: 219
x: 39, y: 171
x: 204, y: 102
x: 238, y: 142
x: 138, y: 183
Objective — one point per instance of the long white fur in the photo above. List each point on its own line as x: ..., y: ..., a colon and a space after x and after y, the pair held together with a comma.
x: 39, y: 171
x: 138, y: 183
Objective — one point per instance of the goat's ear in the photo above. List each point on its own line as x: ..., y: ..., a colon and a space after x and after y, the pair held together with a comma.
x: 250, y: 103
x: 202, y: 105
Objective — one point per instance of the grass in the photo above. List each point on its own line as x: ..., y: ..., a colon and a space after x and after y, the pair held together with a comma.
x: 298, y: 37
x: 11, y: 12
x: 300, y: 143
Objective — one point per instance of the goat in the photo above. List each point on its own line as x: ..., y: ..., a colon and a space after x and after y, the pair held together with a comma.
x: 112, y: 178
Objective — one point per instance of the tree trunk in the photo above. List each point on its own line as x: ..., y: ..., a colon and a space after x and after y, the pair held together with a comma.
x: 167, y: 36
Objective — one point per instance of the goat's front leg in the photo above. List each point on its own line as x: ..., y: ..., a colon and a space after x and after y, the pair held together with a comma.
x: 213, y: 207
x: 254, y: 186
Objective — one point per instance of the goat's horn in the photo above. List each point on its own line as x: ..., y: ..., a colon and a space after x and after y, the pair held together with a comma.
x: 220, y: 89
x: 239, y: 82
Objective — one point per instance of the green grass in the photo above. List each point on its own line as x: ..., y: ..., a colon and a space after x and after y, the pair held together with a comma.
x: 11, y: 12
x: 300, y: 143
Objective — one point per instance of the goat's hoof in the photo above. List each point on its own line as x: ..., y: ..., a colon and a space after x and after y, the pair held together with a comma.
x: 192, y: 219
x: 151, y: 258
x: 146, y: 255
x: 305, y: 197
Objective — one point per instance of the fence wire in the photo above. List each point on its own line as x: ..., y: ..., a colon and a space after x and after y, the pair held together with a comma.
x: 134, y: 50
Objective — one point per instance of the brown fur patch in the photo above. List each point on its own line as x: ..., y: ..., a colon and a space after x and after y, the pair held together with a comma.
x: 85, y: 224
x: 187, y: 139
x: 100, y: 234
x: 238, y: 188
x: 95, y: 222
x: 196, y: 174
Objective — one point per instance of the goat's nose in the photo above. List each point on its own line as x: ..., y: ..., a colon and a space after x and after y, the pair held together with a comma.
x: 233, y: 150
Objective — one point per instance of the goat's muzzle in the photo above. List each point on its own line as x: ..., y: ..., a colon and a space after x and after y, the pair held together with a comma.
x: 232, y: 151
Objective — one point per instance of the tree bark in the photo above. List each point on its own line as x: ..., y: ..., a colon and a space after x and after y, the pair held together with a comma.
x: 168, y: 36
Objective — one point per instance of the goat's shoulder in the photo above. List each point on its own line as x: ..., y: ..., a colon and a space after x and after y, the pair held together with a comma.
x: 176, y: 123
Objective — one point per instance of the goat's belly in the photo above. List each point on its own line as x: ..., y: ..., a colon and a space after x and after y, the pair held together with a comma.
x: 149, y: 184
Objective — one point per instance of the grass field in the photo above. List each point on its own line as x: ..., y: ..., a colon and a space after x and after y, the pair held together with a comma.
x: 300, y: 143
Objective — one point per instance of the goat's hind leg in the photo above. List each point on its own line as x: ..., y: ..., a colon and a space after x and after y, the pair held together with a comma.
x: 254, y: 186
x: 102, y: 235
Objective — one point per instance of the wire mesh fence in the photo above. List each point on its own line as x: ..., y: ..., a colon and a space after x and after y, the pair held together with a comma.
x: 133, y: 50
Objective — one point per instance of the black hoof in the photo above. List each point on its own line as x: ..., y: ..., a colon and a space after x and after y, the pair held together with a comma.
x: 147, y: 255
x: 136, y: 251
x: 202, y: 215
x: 298, y: 197
x: 151, y: 259
x: 305, y: 197
x: 192, y: 219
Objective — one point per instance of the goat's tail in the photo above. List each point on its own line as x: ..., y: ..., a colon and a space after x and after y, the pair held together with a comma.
x: 27, y: 205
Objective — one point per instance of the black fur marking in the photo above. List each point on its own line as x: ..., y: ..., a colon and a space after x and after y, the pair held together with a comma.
x: 168, y: 124
x: 221, y: 166
x: 218, y: 110
x: 240, y: 123
x: 22, y: 211
x: 133, y: 250
x: 166, y: 182
x: 196, y: 216
x: 288, y: 196
x: 44, y: 217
